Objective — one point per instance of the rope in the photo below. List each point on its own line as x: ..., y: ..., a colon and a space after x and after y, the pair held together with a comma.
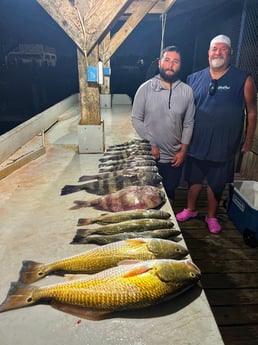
x: 163, y: 27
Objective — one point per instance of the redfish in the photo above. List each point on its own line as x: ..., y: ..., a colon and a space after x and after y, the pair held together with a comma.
x: 105, y: 239
x: 136, y: 225
x: 125, y: 287
x: 100, y: 258
x: 117, y: 217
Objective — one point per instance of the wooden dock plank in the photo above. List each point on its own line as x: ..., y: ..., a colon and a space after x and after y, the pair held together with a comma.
x: 229, y: 271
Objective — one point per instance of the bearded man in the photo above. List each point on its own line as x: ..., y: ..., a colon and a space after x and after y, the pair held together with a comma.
x: 225, y: 99
x: 163, y: 113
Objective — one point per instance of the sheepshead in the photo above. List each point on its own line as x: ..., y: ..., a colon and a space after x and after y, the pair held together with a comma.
x: 133, y: 286
x: 105, y: 239
x: 134, y: 141
x: 100, y: 258
x: 114, y: 184
x: 127, y: 165
x: 117, y: 155
x: 126, y: 171
x: 137, y: 225
x: 122, y: 216
x: 113, y: 160
x: 130, y: 145
x: 130, y: 198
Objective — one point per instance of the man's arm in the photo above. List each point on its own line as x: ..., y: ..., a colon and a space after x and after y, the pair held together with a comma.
x: 250, y: 95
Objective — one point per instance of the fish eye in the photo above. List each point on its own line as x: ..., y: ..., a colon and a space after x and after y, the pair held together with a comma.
x: 192, y: 275
x: 29, y: 300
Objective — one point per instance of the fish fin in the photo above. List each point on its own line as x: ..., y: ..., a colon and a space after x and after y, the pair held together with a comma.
x: 128, y: 262
x: 18, y: 296
x: 137, y: 271
x: 136, y: 240
x: 81, y: 312
x: 68, y: 189
x: 77, y: 276
x: 31, y: 271
x: 79, y: 204
x: 87, y: 178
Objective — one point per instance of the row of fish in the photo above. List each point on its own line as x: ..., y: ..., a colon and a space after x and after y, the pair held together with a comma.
x: 120, y: 288
x: 131, y: 224
x: 141, y: 270
x: 129, y: 203
x: 123, y: 275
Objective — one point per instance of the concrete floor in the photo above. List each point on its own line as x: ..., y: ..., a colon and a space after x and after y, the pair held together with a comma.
x: 36, y: 224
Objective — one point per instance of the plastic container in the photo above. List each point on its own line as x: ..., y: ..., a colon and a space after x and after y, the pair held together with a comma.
x: 242, y: 209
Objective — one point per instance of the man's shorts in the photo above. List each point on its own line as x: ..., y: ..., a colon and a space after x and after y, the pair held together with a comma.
x: 217, y: 174
x: 170, y: 177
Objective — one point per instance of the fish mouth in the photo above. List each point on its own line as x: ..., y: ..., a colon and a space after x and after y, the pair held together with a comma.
x: 196, y: 268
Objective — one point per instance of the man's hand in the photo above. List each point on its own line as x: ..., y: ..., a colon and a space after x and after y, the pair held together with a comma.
x: 155, y: 152
x: 178, y: 159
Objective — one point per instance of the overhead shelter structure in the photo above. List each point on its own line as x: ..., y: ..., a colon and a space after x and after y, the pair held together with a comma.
x: 89, y: 23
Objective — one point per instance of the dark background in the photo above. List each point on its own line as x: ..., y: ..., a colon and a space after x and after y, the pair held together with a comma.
x: 28, y: 90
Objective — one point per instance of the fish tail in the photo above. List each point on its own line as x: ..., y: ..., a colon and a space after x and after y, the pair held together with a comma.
x: 81, y: 236
x: 19, y: 296
x: 68, y: 189
x: 79, y: 204
x: 32, y: 271
x: 86, y: 221
x: 79, y: 240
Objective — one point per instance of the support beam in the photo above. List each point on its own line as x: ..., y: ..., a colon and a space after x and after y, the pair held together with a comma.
x: 162, y: 6
x: 85, y: 22
x: 134, y: 19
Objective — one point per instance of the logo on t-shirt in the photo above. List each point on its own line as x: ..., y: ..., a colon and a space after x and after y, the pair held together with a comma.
x: 224, y: 87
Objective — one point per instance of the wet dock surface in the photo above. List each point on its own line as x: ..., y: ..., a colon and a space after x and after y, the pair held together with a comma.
x: 36, y: 224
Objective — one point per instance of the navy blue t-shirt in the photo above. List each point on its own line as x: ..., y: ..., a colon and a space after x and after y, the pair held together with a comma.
x: 220, y: 117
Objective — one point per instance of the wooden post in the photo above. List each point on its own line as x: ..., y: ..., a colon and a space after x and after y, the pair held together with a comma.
x: 89, y: 92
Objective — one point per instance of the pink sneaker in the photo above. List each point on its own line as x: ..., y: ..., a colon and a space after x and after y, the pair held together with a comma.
x: 213, y: 225
x: 186, y: 215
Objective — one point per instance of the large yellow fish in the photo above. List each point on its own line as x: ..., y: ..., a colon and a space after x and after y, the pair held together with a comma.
x: 100, y: 258
x: 124, y: 287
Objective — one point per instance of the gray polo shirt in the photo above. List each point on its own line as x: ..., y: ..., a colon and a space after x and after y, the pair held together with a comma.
x: 164, y: 117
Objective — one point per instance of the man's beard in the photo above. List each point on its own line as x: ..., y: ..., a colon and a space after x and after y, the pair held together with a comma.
x: 169, y: 78
x: 218, y: 62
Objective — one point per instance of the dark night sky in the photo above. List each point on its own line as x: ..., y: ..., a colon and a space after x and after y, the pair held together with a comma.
x: 27, y: 22
x: 23, y: 95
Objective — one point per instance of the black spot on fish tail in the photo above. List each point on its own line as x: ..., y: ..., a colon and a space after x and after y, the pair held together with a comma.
x: 31, y: 271
x: 19, y: 296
